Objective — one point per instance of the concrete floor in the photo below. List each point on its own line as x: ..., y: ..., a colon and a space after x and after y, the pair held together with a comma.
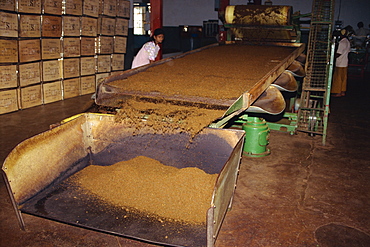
x: 303, y: 194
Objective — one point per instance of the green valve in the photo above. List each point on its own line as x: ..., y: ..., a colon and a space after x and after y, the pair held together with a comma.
x: 256, y: 137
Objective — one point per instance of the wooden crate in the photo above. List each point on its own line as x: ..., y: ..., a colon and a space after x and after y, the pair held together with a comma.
x: 91, y: 8
x: 106, y: 26
x: 71, y: 88
x: 89, y: 26
x: 123, y: 8
x: 51, y: 26
x: 88, y: 84
x: 53, y: 7
x: 71, y: 47
x: 29, y: 73
x: 119, y: 44
x: 8, y: 101
x: 108, y: 7
x: 8, y: 51
x: 104, y: 63
x: 30, y: 96
x: 118, y: 61
x: 87, y: 46
x: 51, y: 70
x: 51, y: 48
x: 30, y: 26
x: 29, y: 50
x: 121, y: 27
x: 8, y: 76
x: 71, y: 67
x: 7, y: 5
x: 9, y: 24
x: 73, y: 7
x: 104, y: 45
x: 100, y: 77
x: 88, y: 65
x: 29, y: 6
x: 71, y: 26
x: 52, y: 91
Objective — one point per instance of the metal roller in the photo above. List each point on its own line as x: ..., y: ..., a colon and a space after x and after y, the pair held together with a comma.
x: 258, y: 15
x: 271, y: 101
x: 286, y: 82
x: 297, y: 69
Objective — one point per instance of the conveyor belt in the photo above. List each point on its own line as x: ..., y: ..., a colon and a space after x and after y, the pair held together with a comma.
x: 230, y: 76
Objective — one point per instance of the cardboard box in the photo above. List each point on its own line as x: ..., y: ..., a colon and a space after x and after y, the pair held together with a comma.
x: 108, y: 7
x: 29, y: 50
x: 8, y: 24
x: 71, y: 26
x: 91, y: 8
x: 123, y: 8
x: 88, y: 84
x: 29, y: 73
x: 87, y: 46
x: 53, y: 7
x: 8, y: 51
x: 51, y: 26
x: 71, y: 47
x: 121, y: 27
x: 73, y: 7
x: 71, y: 67
x: 100, y: 77
x: 30, y: 96
x: 119, y: 44
x: 106, y: 26
x: 29, y: 6
x: 88, y: 65
x: 8, y: 101
x: 8, y: 76
x: 118, y: 61
x: 89, y: 26
x: 51, y: 70
x: 7, y: 5
x: 104, y: 45
x: 104, y: 63
x: 52, y: 91
x: 71, y: 88
x: 51, y: 49
x: 30, y: 26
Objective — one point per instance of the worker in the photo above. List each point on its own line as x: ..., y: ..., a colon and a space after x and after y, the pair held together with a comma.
x: 339, y: 85
x: 150, y: 49
x: 360, y: 35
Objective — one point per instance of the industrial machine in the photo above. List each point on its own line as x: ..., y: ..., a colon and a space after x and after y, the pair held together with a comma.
x: 92, y: 138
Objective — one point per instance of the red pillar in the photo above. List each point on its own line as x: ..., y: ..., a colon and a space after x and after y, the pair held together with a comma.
x: 156, y: 19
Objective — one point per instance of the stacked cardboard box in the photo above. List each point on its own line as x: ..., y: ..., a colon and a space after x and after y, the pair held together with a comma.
x: 57, y: 49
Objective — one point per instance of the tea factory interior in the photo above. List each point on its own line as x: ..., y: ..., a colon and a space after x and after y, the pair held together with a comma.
x: 230, y: 138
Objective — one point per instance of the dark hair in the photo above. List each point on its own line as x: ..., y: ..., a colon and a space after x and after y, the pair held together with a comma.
x: 360, y: 24
x: 156, y: 32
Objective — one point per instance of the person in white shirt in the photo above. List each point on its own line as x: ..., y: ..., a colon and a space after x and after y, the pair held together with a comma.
x: 360, y: 35
x: 339, y: 83
x: 149, y: 50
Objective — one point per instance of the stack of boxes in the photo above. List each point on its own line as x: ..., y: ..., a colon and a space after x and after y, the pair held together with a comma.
x: 52, y: 50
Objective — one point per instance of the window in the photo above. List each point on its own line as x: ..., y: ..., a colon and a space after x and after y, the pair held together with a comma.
x: 141, y: 18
